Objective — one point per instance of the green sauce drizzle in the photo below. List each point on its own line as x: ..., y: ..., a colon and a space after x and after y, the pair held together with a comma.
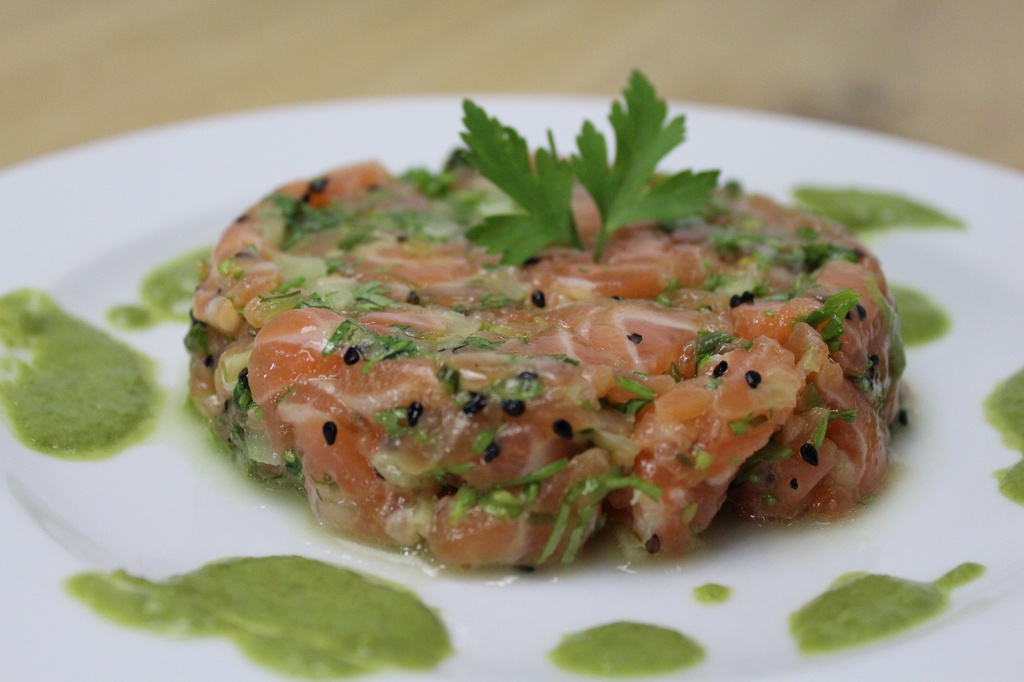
x: 863, y: 608
x: 623, y: 648
x: 68, y: 389
x: 295, y: 615
x: 166, y: 294
x: 921, y: 319
x: 863, y: 211
x: 1004, y: 408
x: 712, y: 593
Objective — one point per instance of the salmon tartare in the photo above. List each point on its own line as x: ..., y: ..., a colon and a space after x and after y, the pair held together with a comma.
x: 349, y: 338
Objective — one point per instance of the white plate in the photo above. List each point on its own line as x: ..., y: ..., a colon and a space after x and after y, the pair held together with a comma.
x: 86, y: 224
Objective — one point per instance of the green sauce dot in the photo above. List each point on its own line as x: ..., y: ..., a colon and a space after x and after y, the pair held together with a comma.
x: 624, y: 648
x: 1004, y: 409
x: 921, y: 319
x: 712, y: 593
x: 168, y: 289
x: 166, y: 294
x: 863, y: 608
x: 68, y: 389
x: 864, y: 210
x: 1011, y: 482
x: 299, y: 616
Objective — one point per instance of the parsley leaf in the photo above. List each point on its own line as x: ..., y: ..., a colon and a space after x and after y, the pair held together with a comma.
x: 543, y: 189
x: 624, y: 192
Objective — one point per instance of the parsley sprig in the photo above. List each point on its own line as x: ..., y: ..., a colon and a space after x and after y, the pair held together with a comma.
x: 626, y: 191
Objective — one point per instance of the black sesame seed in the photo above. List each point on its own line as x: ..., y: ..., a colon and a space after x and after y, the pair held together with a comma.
x: 412, y: 298
x: 809, y: 454
x: 528, y: 375
x: 208, y: 361
x: 793, y: 483
x: 537, y: 298
x: 402, y: 238
x: 862, y: 312
x: 902, y: 417
x: 476, y: 402
x: 513, y: 407
x: 872, y: 371
x: 492, y: 451
x: 563, y: 429
x: 352, y: 355
x: 616, y: 298
x: 634, y: 338
x: 653, y: 544
x: 526, y: 568
x: 739, y: 299
x: 753, y: 378
x: 720, y: 369
x: 414, y: 412
x: 330, y: 432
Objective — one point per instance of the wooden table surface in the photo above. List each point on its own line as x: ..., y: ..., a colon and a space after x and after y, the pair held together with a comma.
x: 946, y: 72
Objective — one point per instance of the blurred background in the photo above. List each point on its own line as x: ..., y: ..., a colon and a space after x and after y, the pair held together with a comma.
x: 946, y: 72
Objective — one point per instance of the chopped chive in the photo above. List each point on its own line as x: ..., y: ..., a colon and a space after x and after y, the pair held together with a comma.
x: 546, y: 471
x: 636, y: 388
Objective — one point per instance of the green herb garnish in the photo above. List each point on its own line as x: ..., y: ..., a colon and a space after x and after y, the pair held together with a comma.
x: 301, y: 219
x: 372, y: 346
x: 708, y: 343
x: 371, y: 296
x: 586, y: 496
x: 828, y: 319
x: 242, y: 395
x: 626, y: 191
x: 542, y: 188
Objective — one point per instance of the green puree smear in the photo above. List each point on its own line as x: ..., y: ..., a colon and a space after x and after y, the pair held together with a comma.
x: 1004, y: 408
x: 863, y: 211
x: 166, y: 294
x: 623, y: 648
x: 712, y: 593
x: 862, y: 608
x: 922, y: 320
x: 68, y: 389
x: 299, y: 616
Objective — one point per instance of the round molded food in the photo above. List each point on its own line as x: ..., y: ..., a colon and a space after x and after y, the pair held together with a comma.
x: 349, y: 338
